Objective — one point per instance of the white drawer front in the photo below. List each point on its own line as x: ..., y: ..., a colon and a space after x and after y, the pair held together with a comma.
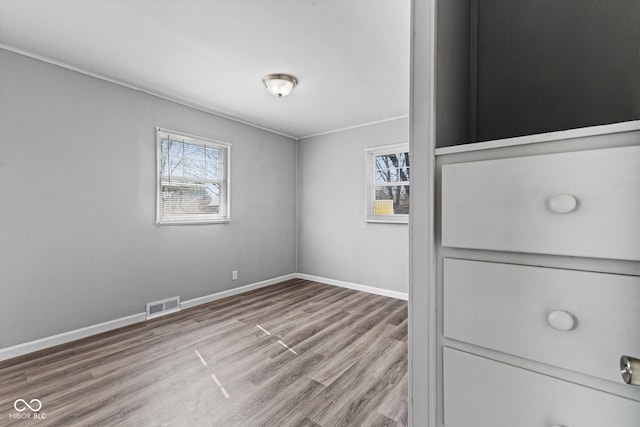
x: 479, y: 392
x: 506, y: 307
x: 505, y: 204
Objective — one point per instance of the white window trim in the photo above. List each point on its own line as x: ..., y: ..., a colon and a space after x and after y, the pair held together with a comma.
x: 187, y: 221
x: 370, y: 154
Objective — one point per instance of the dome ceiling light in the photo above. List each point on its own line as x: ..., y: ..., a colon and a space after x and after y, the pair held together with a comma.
x: 279, y: 84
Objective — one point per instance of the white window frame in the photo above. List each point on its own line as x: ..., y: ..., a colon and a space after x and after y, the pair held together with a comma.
x: 370, y: 190
x: 225, y: 200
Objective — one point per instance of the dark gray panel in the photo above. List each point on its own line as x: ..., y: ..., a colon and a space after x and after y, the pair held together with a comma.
x: 547, y: 65
x: 452, y: 72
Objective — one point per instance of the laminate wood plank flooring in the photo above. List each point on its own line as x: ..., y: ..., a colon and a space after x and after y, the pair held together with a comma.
x: 298, y: 353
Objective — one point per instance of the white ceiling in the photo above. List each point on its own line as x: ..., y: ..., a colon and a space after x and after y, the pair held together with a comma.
x: 351, y: 57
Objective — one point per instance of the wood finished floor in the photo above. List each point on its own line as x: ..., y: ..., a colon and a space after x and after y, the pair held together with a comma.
x: 298, y: 353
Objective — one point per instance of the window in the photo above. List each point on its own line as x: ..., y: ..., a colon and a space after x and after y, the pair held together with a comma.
x: 388, y: 170
x: 193, y: 179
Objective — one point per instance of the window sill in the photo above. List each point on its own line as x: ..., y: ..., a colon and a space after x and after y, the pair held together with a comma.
x: 211, y: 221
x: 388, y: 220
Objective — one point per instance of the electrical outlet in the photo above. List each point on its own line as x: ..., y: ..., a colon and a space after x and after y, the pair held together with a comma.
x: 234, y: 275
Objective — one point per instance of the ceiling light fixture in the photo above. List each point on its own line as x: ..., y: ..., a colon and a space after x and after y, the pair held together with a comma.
x: 280, y: 84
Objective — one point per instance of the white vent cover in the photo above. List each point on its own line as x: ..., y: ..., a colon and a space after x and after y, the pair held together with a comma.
x: 162, y: 307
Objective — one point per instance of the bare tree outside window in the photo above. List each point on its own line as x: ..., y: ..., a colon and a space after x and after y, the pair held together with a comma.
x: 393, y: 169
x: 192, y: 179
x: 389, y: 188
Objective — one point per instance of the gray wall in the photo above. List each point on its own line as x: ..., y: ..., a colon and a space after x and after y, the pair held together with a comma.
x: 78, y: 242
x: 334, y: 241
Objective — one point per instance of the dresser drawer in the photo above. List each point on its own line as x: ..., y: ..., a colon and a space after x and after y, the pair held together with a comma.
x: 479, y: 392
x: 526, y: 204
x: 506, y: 307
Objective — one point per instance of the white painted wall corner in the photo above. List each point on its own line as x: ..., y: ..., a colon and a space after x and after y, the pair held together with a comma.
x: 355, y: 286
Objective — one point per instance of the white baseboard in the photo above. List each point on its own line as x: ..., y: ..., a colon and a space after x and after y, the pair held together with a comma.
x: 65, y: 337
x: 231, y: 292
x: 355, y: 286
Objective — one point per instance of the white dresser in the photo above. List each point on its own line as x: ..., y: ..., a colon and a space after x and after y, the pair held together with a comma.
x: 538, y: 279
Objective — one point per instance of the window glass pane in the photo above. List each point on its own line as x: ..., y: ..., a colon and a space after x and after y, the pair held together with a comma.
x: 194, y: 168
x: 215, y: 167
x: 214, y: 171
x: 193, y: 151
x: 175, y: 166
x: 190, y: 198
x: 185, y: 189
x: 164, y: 166
x: 175, y: 148
x: 398, y: 195
x: 389, y: 183
x: 403, y: 164
x: 213, y: 154
x: 215, y: 195
x: 391, y: 167
x: 387, y: 175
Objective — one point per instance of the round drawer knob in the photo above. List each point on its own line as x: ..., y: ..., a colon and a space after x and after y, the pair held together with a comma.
x: 630, y: 370
x: 563, y: 203
x: 561, y: 320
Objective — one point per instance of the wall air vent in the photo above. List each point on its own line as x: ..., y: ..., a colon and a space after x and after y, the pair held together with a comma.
x: 162, y: 307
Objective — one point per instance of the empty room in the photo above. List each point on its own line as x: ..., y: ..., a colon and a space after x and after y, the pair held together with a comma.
x: 320, y: 213
x: 186, y: 243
